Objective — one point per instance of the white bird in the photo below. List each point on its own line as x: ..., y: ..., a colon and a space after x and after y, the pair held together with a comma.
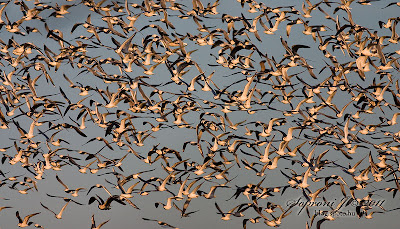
x: 164, y: 183
x: 346, y: 132
x: 380, y: 95
x: 127, y: 193
x: 265, y: 158
x: 305, y: 177
x: 4, y: 207
x: 289, y: 135
x: 169, y: 203
x: 222, y: 174
x: 270, y: 125
x: 369, y: 216
x: 394, y: 118
x: 30, y: 134
x: 186, y: 192
x: 25, y: 223
x: 200, y: 169
x: 225, y: 216
x: 94, y: 224
x: 274, y: 163
x: 59, y: 215
x: 194, y: 194
x: 282, y: 147
x: 191, y: 86
x: 211, y: 193
x: 243, y: 97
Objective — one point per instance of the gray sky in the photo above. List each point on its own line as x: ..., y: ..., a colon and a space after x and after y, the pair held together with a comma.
x: 76, y: 216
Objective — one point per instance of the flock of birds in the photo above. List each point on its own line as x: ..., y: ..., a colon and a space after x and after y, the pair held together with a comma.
x: 312, y: 119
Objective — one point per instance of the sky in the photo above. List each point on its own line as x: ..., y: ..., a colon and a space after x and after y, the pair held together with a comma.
x: 77, y: 216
